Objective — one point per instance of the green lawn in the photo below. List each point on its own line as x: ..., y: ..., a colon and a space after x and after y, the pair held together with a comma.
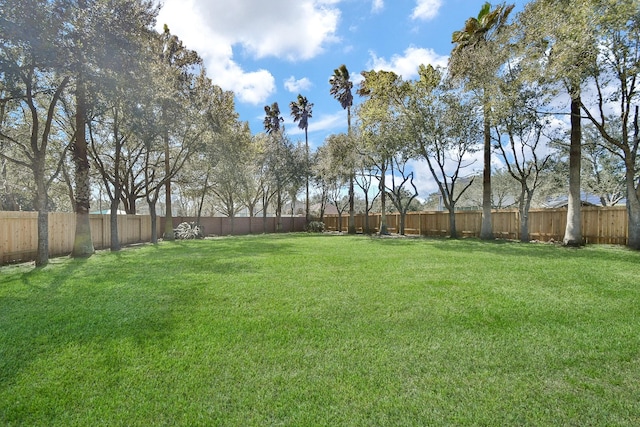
x: 326, y: 330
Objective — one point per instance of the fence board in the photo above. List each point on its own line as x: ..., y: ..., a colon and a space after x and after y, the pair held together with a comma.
x: 19, y: 231
x: 600, y: 225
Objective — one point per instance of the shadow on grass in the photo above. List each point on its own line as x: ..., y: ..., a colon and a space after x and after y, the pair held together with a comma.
x: 76, y: 303
x: 500, y: 249
x: 135, y: 295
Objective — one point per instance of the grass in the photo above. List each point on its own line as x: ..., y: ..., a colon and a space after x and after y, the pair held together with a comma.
x: 324, y: 330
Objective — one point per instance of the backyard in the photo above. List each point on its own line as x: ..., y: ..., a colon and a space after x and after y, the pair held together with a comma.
x: 326, y: 330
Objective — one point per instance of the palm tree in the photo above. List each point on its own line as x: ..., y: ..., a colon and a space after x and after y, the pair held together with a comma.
x: 301, y: 111
x: 341, y: 87
x: 272, y: 118
x: 476, y: 35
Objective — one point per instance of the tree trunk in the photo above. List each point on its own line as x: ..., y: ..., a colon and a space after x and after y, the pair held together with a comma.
x: 383, y: 202
x: 117, y: 186
x: 633, y: 204
x: 486, y: 230
x: 168, y: 217
x: 352, y: 197
x: 154, y: 222
x: 453, y: 231
x: 352, y: 216
x: 366, y: 230
x: 113, y: 220
x: 40, y: 201
x: 633, y: 193
x: 264, y: 218
x: 42, y: 255
x: 279, y: 211
x: 633, y: 225
x: 306, y: 143
x: 573, y: 230
x: 523, y: 210
x: 82, y: 245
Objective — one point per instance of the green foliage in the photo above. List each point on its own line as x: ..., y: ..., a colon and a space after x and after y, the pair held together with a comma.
x: 315, y: 227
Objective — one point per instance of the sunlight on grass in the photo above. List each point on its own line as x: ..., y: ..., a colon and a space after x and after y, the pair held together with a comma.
x: 324, y: 330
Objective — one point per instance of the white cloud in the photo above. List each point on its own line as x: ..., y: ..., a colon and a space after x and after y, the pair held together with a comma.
x: 297, y: 86
x: 377, y: 6
x: 218, y: 31
x: 407, y: 64
x: 426, y: 9
x: 290, y: 29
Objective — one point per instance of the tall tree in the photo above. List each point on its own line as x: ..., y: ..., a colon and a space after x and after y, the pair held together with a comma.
x: 341, y: 89
x: 559, y: 45
x: 177, y: 63
x: 476, y: 59
x: 444, y: 135
x: 31, y: 91
x: 229, y: 171
x: 335, y: 166
x: 381, y: 126
x: 615, y: 111
x: 519, y: 135
x: 31, y: 56
x: 272, y: 119
x: 301, y: 111
x: 104, y: 38
x: 279, y: 160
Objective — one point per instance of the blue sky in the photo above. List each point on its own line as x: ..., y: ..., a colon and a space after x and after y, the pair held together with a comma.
x: 269, y: 51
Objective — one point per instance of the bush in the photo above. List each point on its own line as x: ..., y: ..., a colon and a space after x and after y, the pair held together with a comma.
x: 315, y: 227
x: 189, y: 230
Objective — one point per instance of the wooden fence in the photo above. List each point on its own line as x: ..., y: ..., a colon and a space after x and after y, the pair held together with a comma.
x: 19, y: 231
x: 600, y: 225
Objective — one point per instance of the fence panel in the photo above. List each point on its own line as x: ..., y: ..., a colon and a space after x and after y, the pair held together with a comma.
x: 19, y: 231
x: 601, y: 225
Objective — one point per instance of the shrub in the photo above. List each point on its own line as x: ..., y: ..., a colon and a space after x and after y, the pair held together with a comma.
x: 189, y: 230
x: 315, y: 227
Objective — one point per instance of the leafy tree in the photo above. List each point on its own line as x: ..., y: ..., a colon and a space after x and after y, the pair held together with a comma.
x: 444, y: 134
x: 522, y: 127
x: 334, y: 170
x: 321, y: 173
x: 559, y: 46
x: 381, y: 128
x: 229, y: 171
x: 176, y: 65
x: 336, y: 197
x: 254, y: 180
x: 603, y: 173
x: 400, y: 196
x: 102, y: 39
x: 476, y: 59
x: 280, y: 161
x: 224, y: 137
x: 341, y: 89
x: 301, y: 111
x: 365, y: 173
x: 614, y: 72
x: 31, y: 89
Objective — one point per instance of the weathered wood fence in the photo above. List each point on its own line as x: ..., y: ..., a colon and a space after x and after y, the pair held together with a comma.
x: 601, y: 225
x: 19, y: 231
